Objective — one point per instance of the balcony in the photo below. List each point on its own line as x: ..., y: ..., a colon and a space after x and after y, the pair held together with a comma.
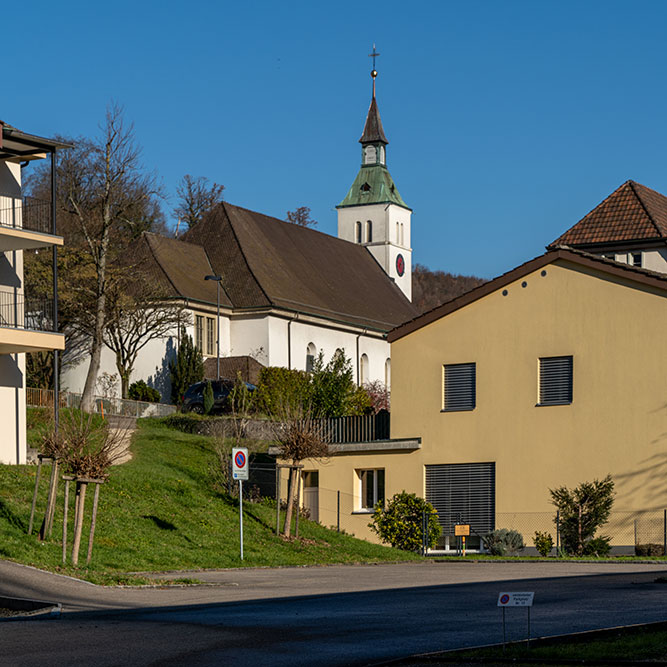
x: 27, y: 325
x: 26, y: 224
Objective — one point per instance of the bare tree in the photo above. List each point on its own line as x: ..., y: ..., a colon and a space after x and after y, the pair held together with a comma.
x: 136, y: 315
x: 104, y: 189
x: 299, y: 436
x: 196, y: 198
x: 301, y: 216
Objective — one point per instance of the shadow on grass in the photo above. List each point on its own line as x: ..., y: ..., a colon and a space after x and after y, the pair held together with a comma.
x: 12, y: 519
x: 160, y: 523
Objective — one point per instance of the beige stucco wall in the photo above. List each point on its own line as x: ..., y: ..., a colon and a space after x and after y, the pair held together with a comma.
x: 616, y: 424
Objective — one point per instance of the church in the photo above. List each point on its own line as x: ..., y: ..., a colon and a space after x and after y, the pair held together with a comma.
x: 286, y: 293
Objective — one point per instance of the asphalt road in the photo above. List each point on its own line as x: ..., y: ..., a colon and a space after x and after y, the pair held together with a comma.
x: 341, y: 615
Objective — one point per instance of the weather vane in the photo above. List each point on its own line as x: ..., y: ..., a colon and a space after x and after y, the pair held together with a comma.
x: 374, y: 73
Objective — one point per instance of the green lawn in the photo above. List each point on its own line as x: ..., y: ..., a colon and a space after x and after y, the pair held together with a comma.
x: 641, y: 643
x: 160, y: 511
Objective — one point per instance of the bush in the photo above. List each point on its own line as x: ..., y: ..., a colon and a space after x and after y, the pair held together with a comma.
x: 188, y: 422
x: 544, y: 543
x: 503, y: 542
x: 649, y: 550
x: 209, y: 400
x: 280, y: 388
x: 186, y: 369
x: 598, y: 546
x: 581, y: 511
x: 400, y: 524
x: 140, y: 391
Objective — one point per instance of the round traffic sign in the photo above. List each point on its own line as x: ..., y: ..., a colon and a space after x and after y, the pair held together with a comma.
x: 239, y: 459
x: 504, y: 599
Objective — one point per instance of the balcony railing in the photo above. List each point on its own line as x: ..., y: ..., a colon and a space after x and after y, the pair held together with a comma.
x: 27, y: 213
x: 17, y: 312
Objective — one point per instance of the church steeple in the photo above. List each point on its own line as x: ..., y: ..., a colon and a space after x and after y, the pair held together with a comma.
x: 373, y: 212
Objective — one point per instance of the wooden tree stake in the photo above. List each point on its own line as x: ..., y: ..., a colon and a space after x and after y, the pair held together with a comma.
x: 92, y: 523
x: 34, y: 495
x: 78, y: 521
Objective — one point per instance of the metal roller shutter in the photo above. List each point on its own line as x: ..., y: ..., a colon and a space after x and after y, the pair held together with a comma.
x: 460, y: 386
x: 463, y: 493
x: 555, y: 380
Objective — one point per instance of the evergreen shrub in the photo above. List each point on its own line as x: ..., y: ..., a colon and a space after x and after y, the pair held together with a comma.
x: 504, y: 542
x: 140, y: 391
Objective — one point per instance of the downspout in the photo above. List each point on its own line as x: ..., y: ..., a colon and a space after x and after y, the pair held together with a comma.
x: 289, y: 341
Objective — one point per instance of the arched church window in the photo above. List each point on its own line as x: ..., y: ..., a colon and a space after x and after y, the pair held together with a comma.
x: 396, y: 233
x: 387, y: 374
x: 363, y: 369
x: 369, y: 231
x: 358, y: 231
x: 402, y: 237
x: 311, y: 351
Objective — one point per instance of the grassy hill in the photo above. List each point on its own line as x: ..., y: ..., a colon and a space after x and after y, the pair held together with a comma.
x: 160, y: 511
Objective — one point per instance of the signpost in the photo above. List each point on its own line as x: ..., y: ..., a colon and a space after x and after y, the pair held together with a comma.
x: 462, y: 530
x: 515, y: 600
x: 240, y: 472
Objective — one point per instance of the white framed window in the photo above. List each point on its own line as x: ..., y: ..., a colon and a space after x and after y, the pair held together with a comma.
x: 311, y: 352
x: 199, y: 333
x: 636, y: 259
x: 210, y: 336
x: 555, y: 380
x: 363, y: 369
x: 459, y: 387
x: 371, y: 488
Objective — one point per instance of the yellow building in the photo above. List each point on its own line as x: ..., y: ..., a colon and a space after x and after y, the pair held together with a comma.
x: 552, y: 374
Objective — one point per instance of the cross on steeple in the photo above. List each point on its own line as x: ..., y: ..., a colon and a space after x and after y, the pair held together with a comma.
x: 374, y: 73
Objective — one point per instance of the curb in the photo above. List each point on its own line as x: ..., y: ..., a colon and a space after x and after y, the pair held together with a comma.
x: 26, y: 608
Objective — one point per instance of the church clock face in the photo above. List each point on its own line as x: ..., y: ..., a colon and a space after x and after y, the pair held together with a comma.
x: 400, y: 265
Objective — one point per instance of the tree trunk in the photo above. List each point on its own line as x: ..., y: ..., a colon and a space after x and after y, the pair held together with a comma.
x: 580, y: 545
x: 291, y: 487
x: 124, y: 384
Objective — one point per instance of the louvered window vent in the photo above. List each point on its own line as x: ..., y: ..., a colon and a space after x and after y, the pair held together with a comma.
x: 460, y: 392
x: 555, y: 380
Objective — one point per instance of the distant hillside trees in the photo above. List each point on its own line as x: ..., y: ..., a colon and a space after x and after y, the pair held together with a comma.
x: 432, y: 288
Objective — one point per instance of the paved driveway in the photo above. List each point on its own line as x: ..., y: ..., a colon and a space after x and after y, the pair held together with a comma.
x: 330, y: 615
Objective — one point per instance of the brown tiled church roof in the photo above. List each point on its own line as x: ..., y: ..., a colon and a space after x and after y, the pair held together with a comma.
x: 265, y: 262
x: 633, y: 212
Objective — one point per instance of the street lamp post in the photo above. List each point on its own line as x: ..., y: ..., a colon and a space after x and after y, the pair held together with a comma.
x: 218, y: 280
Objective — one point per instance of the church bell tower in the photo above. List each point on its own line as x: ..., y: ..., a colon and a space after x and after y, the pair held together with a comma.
x: 373, y: 213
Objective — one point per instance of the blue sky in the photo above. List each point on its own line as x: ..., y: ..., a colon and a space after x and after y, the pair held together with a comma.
x: 507, y: 121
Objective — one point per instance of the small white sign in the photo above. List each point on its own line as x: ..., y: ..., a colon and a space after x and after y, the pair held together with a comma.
x: 515, y: 599
x: 240, y: 463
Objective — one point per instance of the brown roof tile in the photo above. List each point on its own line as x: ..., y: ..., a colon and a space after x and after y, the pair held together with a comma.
x: 267, y: 262
x: 633, y: 212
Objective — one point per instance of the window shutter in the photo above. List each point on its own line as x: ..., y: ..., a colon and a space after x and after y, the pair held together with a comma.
x: 463, y: 493
x: 555, y: 380
x: 460, y: 387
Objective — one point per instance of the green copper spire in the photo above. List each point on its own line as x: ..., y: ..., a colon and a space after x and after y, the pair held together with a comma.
x: 373, y: 184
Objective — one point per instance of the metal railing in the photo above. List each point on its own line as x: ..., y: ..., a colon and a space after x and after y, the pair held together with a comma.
x: 362, y: 428
x: 103, y: 404
x: 27, y: 213
x: 19, y: 312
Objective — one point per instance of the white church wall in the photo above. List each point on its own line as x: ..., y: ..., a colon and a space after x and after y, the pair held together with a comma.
x: 250, y: 335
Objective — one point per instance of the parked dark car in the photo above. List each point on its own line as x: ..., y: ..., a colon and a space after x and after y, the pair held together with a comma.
x: 193, y: 399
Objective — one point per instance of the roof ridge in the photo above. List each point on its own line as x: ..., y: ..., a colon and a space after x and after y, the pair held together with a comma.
x: 158, y: 262
x: 643, y: 205
x: 243, y: 254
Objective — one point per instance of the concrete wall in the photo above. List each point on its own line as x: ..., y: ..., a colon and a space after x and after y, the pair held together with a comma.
x: 617, y: 422
x: 13, y: 447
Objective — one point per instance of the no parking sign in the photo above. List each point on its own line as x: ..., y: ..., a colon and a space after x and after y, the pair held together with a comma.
x: 240, y: 463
